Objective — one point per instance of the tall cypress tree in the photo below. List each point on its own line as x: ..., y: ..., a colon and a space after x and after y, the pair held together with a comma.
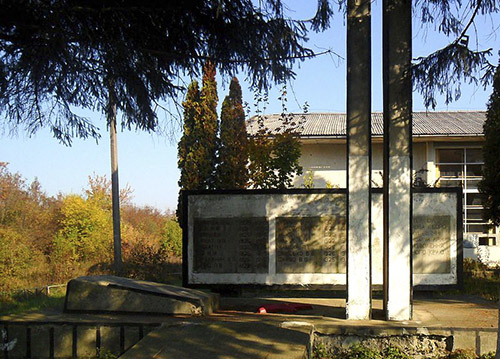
x: 188, y: 144
x: 490, y: 185
x: 232, y: 171
x: 207, y: 128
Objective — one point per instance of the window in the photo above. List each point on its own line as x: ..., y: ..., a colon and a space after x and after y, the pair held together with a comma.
x: 462, y: 167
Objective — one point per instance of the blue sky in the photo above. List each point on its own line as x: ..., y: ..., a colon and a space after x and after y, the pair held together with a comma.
x: 148, y: 163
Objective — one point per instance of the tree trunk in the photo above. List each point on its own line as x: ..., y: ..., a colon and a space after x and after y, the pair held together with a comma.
x: 115, y: 188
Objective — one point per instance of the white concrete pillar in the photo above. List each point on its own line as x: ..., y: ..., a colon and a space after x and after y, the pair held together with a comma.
x: 397, y: 159
x: 358, y: 304
x: 431, y: 176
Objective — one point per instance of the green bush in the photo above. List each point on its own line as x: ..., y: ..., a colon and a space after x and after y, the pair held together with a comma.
x: 86, y: 230
x: 172, y: 237
x: 19, y: 262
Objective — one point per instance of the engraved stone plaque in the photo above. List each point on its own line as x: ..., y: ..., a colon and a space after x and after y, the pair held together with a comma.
x: 431, y: 244
x: 311, y: 244
x: 231, y: 245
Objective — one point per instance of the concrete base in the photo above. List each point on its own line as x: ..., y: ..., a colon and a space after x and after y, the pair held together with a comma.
x: 123, y: 295
x: 224, y: 340
x: 237, y: 330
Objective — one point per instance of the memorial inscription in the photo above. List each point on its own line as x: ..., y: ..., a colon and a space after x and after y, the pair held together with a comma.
x: 311, y: 244
x: 231, y: 245
x: 431, y: 244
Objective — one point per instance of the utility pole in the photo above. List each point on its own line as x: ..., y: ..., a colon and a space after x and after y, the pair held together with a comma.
x: 115, y: 188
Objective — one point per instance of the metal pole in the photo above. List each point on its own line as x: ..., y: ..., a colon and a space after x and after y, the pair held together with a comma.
x: 115, y: 188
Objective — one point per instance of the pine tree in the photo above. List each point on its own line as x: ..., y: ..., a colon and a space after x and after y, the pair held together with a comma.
x: 207, y: 128
x: 187, y: 162
x: 232, y: 171
x: 490, y: 185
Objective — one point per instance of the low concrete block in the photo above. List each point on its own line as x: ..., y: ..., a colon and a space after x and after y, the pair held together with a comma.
x: 63, y: 341
x: 464, y: 339
x: 86, y: 342
x: 116, y: 294
x: 131, y: 337
x: 40, y: 341
x: 18, y: 333
x: 487, y: 342
x: 110, y: 340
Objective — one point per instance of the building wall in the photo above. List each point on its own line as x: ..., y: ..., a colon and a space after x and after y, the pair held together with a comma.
x: 327, y: 163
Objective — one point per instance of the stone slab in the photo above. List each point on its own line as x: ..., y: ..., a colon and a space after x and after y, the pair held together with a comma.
x: 431, y: 244
x: 116, y: 294
x: 223, y: 340
x: 231, y: 245
x: 311, y: 244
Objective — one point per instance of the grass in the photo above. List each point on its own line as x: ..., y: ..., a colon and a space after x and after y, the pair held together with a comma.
x: 481, y: 280
x: 25, y: 301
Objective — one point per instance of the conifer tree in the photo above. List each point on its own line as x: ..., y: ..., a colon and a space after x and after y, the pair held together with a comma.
x: 187, y: 163
x: 490, y: 185
x: 206, y: 129
x: 232, y: 171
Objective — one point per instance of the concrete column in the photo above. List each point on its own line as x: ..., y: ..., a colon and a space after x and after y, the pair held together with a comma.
x: 397, y: 159
x: 431, y: 163
x: 358, y: 159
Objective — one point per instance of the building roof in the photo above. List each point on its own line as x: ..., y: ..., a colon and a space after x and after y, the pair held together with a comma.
x: 456, y: 123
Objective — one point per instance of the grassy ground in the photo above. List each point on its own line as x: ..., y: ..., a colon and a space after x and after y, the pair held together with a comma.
x: 32, y: 300
x: 25, y: 301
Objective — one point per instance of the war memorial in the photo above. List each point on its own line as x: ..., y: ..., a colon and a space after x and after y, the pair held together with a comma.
x: 398, y: 238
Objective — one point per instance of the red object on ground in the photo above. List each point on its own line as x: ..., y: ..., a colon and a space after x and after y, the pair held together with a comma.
x: 284, y: 308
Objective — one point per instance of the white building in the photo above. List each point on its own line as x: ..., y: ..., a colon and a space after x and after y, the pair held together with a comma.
x: 447, y: 151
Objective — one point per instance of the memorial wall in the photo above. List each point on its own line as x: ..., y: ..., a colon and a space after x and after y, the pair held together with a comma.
x: 298, y: 237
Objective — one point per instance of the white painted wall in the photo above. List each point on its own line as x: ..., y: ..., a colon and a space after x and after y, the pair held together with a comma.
x: 273, y: 206
x: 328, y: 163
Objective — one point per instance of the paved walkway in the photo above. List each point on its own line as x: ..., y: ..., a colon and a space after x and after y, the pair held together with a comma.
x: 238, y: 331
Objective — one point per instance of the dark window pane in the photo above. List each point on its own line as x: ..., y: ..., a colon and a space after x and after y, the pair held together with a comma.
x: 473, y: 199
x: 474, y: 215
x: 477, y: 228
x: 450, y: 155
x: 450, y: 170
x: 474, y: 170
x: 474, y: 155
x: 484, y: 241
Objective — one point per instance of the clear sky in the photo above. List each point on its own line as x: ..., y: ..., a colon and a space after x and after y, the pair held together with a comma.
x: 148, y: 163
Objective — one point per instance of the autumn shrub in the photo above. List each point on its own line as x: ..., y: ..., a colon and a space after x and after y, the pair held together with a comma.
x: 51, y: 239
x: 21, y: 265
x: 172, y: 237
x: 86, y: 231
